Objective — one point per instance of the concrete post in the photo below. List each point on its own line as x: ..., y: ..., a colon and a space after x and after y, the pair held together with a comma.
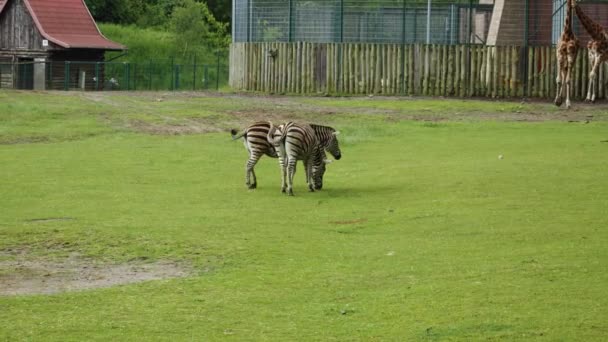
x: 82, y: 80
x: 39, y: 73
x: 506, y: 26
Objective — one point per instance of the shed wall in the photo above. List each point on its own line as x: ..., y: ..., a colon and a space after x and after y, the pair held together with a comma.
x: 18, y: 30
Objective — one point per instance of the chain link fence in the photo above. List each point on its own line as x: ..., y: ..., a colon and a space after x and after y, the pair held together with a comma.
x: 377, y: 21
x: 524, y: 22
x: 154, y: 74
x: 497, y: 48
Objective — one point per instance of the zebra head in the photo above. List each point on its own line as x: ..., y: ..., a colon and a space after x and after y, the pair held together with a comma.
x: 318, y: 171
x: 317, y: 176
x: 332, y: 146
x: 328, y: 138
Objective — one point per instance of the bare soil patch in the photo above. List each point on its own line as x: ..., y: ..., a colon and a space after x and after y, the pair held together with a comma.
x: 184, y: 127
x: 296, y: 108
x: 27, y: 277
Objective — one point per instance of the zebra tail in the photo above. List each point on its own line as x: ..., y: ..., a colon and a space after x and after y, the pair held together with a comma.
x: 236, y: 135
x: 270, y: 136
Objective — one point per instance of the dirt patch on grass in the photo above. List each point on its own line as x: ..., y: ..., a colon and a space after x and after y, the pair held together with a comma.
x: 239, y: 110
x: 24, y: 140
x: 184, y: 127
x: 26, y: 277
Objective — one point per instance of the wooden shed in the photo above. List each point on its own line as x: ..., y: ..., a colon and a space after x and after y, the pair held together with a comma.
x: 39, y: 40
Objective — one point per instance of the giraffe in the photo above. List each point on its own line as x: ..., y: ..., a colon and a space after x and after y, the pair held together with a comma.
x: 597, y: 49
x: 567, y: 49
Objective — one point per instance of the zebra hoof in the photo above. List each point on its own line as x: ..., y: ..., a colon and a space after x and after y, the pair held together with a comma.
x: 290, y: 192
x: 283, y: 190
x: 252, y: 186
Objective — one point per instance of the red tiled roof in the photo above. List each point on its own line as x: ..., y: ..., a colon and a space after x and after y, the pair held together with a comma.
x: 67, y: 23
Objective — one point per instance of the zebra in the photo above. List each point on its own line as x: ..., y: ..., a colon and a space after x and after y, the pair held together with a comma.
x: 256, y: 143
x: 295, y: 142
x: 327, y: 137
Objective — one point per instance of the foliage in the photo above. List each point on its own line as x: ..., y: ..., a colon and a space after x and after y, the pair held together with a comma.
x: 149, y: 13
x: 116, y: 11
x: 152, y: 44
x: 159, y: 60
x: 143, y: 43
x: 421, y: 232
x: 195, y: 27
x: 179, y: 29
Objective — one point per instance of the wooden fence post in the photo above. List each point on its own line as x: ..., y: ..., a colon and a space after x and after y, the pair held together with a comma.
x: 414, y: 69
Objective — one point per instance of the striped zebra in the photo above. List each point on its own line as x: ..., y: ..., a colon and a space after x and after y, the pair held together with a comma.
x: 296, y: 142
x: 256, y: 143
x: 327, y: 137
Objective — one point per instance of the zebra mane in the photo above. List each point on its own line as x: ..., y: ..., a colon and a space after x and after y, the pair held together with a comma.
x: 321, y: 128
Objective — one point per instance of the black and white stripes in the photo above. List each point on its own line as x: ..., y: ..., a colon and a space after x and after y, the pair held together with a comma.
x: 289, y: 142
x: 293, y: 142
x: 327, y: 137
x: 256, y: 143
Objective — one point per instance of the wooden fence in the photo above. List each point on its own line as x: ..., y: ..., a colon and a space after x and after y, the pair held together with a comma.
x: 396, y: 69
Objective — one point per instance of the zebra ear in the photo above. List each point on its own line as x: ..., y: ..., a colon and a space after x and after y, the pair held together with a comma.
x: 336, y: 133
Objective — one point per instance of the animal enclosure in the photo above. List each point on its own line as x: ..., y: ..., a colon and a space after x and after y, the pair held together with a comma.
x: 422, y: 232
x: 449, y: 48
x: 395, y: 69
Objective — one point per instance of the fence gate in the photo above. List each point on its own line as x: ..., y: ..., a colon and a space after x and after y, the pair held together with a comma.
x: 25, y: 74
x: 321, y: 65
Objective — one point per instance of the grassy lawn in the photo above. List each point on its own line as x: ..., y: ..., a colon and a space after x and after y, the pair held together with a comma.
x: 421, y: 231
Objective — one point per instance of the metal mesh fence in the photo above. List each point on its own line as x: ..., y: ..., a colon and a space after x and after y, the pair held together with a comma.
x: 157, y: 74
x: 431, y: 47
x: 378, y: 21
x: 519, y: 22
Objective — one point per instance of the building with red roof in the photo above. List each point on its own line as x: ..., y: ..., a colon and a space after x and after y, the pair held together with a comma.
x: 40, y: 38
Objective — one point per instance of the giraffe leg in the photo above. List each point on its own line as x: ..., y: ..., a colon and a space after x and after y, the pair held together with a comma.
x: 590, y: 84
x: 568, y: 85
x: 593, y: 80
x: 558, y: 94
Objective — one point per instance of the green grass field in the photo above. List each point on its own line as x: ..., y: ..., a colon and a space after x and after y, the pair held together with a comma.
x: 421, y: 232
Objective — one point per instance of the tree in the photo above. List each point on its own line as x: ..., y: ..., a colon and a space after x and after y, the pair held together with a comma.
x: 149, y: 13
x: 222, y: 9
x: 116, y: 11
x: 195, y: 26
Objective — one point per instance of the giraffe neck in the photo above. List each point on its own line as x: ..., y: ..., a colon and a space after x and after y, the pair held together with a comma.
x: 568, y: 23
x: 595, y: 30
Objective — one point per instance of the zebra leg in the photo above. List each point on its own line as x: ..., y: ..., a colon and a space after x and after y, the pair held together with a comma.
x: 308, y: 171
x: 309, y: 180
x: 291, y: 171
x: 253, y: 159
x: 283, y: 167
